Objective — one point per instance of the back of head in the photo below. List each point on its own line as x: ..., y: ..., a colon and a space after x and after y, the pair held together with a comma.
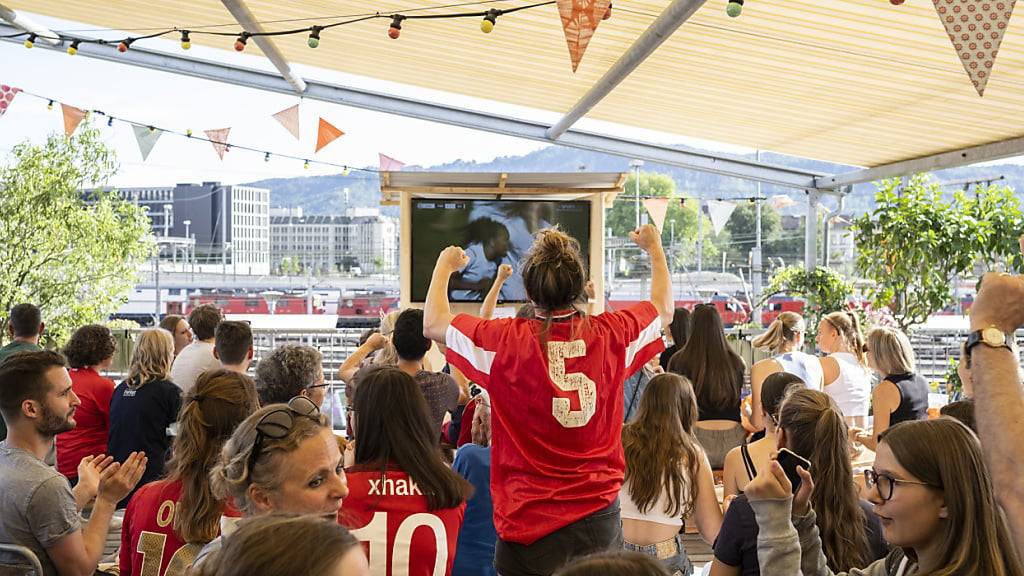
x: 204, y: 319
x: 152, y: 357
x: 976, y: 538
x: 816, y: 429
x: 410, y: 343
x: 680, y: 327
x: 282, y: 544
x: 233, y: 473
x: 170, y: 322
x: 232, y: 341
x: 23, y: 376
x: 715, y: 370
x: 616, y: 563
x: 784, y: 329
x: 661, y: 451
x: 962, y: 410
x: 392, y: 424
x: 287, y: 371
x: 891, y: 351
x: 553, y: 271
x: 25, y: 320
x: 90, y: 345
x: 387, y: 355
x: 848, y: 326
x: 220, y: 401
x: 774, y: 390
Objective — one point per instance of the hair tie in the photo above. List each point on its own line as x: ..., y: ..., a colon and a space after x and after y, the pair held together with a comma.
x: 198, y: 398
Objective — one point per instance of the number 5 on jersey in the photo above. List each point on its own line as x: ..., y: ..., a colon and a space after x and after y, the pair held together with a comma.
x: 576, y: 382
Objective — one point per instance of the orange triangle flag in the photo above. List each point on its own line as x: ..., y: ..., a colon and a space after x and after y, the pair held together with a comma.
x: 72, y: 118
x: 219, y: 139
x: 658, y: 209
x: 289, y: 118
x: 326, y: 134
x: 579, y: 21
x: 976, y: 29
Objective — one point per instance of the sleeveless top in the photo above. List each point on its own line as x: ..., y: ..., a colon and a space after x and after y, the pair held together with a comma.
x: 801, y: 364
x: 852, y: 388
x: 630, y: 511
x: 913, y: 398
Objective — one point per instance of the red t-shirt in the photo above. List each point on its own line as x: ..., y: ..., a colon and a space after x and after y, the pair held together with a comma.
x: 556, y: 453
x: 149, y: 545
x: 92, y: 419
x: 391, y: 515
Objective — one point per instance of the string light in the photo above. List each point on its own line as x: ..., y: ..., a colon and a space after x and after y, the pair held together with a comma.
x: 345, y: 171
x: 305, y: 165
x: 186, y: 42
x: 241, y: 41
x: 490, y: 19
x: 734, y: 8
x: 266, y: 157
x: 73, y: 49
x: 395, y: 30
x: 188, y: 133
x: 110, y: 121
x: 151, y: 129
x: 30, y: 41
x: 49, y: 105
x: 314, y: 36
x: 123, y: 45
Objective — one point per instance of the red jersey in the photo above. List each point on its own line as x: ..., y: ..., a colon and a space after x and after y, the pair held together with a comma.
x: 391, y: 515
x: 92, y: 421
x: 556, y: 454
x: 149, y: 545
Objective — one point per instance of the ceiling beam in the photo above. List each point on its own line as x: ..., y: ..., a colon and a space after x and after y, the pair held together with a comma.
x: 245, y: 18
x: 940, y: 161
x: 671, y: 18
x: 715, y: 163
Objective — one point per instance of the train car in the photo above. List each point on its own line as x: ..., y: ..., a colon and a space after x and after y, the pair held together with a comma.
x: 364, y: 308
x: 732, y: 311
x: 255, y: 303
x: 777, y: 305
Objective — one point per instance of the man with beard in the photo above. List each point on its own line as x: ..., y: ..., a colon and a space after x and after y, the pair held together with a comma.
x: 40, y: 511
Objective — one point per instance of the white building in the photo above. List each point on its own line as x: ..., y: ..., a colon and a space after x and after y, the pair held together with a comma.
x: 365, y: 244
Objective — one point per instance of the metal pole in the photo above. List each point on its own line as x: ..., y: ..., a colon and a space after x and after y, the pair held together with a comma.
x: 811, y: 232
x: 224, y: 230
x: 156, y: 264
x: 757, y: 279
x: 635, y: 165
x: 700, y: 237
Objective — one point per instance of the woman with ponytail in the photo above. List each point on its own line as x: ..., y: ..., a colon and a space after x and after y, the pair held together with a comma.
x: 811, y: 426
x: 168, y: 521
x: 846, y: 375
x: 784, y: 340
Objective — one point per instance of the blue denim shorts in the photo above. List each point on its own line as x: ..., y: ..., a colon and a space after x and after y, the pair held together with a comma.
x: 678, y: 564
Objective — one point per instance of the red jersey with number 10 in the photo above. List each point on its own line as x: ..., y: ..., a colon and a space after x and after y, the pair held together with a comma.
x: 556, y: 447
x: 390, y: 514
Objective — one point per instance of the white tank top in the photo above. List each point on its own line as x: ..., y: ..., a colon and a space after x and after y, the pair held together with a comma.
x: 852, y: 389
x: 628, y: 509
x: 801, y: 364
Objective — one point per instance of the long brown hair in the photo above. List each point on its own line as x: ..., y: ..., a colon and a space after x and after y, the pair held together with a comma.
x: 848, y: 326
x: 220, y: 402
x: 554, y: 276
x: 715, y: 370
x: 281, y: 544
x: 816, y: 430
x: 393, y: 426
x: 975, y: 539
x: 659, y: 445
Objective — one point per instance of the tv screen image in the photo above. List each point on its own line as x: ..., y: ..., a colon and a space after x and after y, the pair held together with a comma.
x: 492, y: 232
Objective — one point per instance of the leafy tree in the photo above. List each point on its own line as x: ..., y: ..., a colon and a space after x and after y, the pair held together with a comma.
x: 824, y: 290
x: 75, y: 260
x: 996, y: 213
x: 913, y: 246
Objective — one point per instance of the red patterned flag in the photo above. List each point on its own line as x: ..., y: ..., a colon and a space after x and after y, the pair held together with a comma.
x: 579, y: 21
x: 7, y: 94
x: 976, y: 29
x: 219, y: 139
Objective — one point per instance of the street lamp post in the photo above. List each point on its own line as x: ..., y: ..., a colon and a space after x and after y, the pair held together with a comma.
x: 636, y: 165
x: 167, y: 219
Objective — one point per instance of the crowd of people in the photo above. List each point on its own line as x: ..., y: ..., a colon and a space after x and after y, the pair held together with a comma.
x: 554, y: 442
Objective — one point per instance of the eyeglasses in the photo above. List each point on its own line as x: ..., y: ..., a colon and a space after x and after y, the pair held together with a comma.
x: 886, y: 483
x: 276, y: 424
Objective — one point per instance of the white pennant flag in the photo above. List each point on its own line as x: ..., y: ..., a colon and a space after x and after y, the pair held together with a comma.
x: 146, y: 138
x: 657, y: 208
x: 720, y: 211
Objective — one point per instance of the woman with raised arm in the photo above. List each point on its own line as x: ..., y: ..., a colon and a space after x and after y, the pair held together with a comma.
x: 845, y: 370
x: 784, y: 340
x: 556, y: 389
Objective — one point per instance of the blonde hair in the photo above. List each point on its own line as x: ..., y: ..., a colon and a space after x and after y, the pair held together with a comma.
x: 152, y: 357
x: 891, y: 351
x: 388, y: 356
x: 783, y: 329
x: 848, y: 326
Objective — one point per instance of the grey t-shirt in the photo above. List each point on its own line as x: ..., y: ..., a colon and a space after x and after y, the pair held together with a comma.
x: 37, y: 508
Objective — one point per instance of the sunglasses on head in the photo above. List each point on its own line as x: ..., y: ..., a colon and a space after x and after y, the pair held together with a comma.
x: 278, y: 423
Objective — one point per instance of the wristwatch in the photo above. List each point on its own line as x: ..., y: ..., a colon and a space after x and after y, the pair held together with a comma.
x: 992, y: 337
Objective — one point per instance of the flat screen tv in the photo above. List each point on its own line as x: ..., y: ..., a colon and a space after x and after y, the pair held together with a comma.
x: 493, y: 232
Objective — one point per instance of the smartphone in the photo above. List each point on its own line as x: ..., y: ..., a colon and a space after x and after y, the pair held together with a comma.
x: 789, y: 460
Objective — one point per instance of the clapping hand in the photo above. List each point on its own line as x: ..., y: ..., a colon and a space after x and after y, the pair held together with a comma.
x: 118, y: 480
x: 90, y: 470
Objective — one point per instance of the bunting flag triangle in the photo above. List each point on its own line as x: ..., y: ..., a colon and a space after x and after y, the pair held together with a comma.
x: 326, y: 133
x: 780, y: 201
x: 146, y: 137
x: 72, y: 118
x: 7, y: 94
x: 389, y: 164
x: 976, y: 29
x: 289, y: 118
x: 219, y: 139
x: 657, y: 208
x: 720, y: 211
x: 579, y: 21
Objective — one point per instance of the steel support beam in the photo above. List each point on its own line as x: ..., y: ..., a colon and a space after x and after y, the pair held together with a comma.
x: 244, y: 17
x: 941, y: 161
x: 671, y: 18
x: 714, y: 163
